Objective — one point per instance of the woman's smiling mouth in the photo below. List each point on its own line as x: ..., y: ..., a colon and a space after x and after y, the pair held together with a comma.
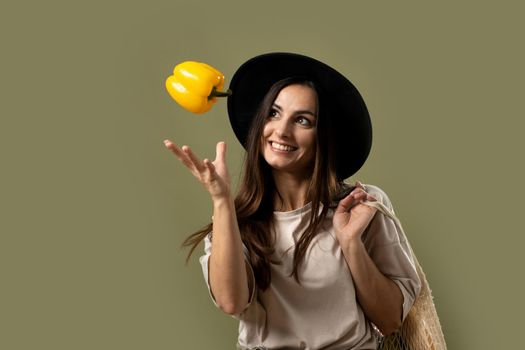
x: 282, y: 147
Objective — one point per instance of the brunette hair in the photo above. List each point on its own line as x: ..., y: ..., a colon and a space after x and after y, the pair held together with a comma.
x: 255, y: 196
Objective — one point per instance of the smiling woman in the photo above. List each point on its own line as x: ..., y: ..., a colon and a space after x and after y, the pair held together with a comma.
x: 301, y: 258
x: 290, y: 131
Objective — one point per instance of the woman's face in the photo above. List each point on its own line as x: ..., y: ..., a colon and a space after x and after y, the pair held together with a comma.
x: 289, y: 135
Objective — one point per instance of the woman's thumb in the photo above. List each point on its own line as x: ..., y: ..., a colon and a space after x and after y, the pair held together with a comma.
x: 221, y: 151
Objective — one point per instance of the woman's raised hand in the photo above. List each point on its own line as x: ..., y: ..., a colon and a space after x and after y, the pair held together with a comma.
x: 351, y: 217
x: 213, y: 175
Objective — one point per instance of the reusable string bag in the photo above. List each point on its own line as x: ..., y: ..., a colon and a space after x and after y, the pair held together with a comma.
x: 421, y: 329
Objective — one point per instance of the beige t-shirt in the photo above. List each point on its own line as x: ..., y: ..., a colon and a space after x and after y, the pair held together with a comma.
x: 322, y: 312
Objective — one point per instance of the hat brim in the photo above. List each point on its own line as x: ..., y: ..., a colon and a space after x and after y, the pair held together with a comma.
x: 350, y: 120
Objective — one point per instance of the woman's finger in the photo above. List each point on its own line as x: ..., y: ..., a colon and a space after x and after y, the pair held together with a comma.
x: 179, y: 154
x: 346, y: 203
x: 172, y: 147
x: 211, y: 168
x: 221, y: 152
x: 357, y: 195
x: 360, y: 187
x: 357, y: 190
x: 371, y: 198
x: 362, y: 196
x: 195, y: 161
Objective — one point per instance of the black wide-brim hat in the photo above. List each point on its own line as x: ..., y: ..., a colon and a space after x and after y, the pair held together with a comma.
x: 351, y: 125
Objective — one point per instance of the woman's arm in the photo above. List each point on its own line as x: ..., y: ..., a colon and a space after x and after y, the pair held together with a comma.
x: 228, y: 271
x: 379, y: 296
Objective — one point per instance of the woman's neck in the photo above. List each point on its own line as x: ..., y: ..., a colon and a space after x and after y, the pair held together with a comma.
x: 292, y: 190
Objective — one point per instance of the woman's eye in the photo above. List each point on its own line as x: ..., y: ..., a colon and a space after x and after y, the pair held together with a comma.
x: 304, y: 121
x: 273, y: 113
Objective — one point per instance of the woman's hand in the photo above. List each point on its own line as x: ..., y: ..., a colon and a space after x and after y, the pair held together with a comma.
x: 230, y: 277
x: 213, y: 175
x: 351, y: 217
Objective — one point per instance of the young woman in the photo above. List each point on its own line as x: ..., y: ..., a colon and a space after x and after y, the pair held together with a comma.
x: 301, y: 258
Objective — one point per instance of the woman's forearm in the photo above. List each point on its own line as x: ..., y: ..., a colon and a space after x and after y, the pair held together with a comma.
x: 380, y: 298
x: 227, y: 267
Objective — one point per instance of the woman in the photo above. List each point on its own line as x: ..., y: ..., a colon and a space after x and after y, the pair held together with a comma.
x: 293, y: 279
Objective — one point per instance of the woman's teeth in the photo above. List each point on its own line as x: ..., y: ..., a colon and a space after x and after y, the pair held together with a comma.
x: 282, y: 147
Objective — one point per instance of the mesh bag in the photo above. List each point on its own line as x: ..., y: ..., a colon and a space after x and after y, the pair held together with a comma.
x: 421, y: 329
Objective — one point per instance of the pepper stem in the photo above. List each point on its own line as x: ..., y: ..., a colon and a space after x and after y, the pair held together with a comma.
x: 215, y: 93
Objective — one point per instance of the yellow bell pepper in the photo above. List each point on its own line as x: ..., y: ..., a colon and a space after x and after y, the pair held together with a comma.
x: 196, y: 86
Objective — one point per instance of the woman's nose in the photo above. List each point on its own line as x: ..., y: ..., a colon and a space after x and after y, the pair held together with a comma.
x: 282, y: 129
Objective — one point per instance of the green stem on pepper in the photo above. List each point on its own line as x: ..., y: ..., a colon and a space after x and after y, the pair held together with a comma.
x: 215, y: 93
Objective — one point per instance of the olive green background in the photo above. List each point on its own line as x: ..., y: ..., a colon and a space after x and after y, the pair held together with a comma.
x: 93, y: 207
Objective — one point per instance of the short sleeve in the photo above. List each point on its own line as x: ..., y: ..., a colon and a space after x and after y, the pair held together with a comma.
x: 204, y: 261
x: 388, y: 247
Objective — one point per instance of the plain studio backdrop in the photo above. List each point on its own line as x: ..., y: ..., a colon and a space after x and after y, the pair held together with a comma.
x: 94, y: 208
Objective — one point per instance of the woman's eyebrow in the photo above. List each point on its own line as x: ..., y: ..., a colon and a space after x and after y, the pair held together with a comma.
x: 276, y: 106
x: 306, y: 112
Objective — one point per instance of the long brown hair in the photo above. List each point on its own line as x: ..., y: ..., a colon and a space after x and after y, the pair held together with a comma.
x: 254, y: 202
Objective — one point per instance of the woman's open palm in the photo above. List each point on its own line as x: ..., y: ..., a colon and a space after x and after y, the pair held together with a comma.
x: 214, y: 175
